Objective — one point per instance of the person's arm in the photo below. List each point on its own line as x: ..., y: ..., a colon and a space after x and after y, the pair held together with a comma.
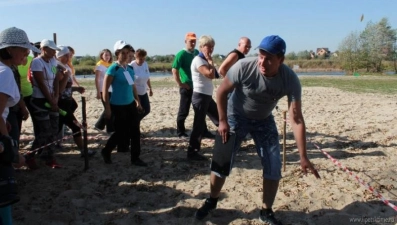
x: 207, y: 71
x: 299, y: 130
x: 108, y: 80
x: 63, y: 75
x: 150, y: 88
x: 175, y: 72
x: 3, y: 101
x: 221, y: 100
x: 136, y: 97
x: 229, y: 61
x: 75, y: 83
x: 97, y: 84
x: 24, y: 111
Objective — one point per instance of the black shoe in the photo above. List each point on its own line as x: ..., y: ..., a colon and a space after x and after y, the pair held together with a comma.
x: 98, y: 128
x: 90, y: 153
x: 183, y: 136
x: 208, y: 135
x: 196, y: 156
x: 267, y: 217
x: 138, y: 162
x: 204, y: 210
x: 106, y: 156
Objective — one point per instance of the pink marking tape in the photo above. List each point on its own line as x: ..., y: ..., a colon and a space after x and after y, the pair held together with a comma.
x: 366, y: 185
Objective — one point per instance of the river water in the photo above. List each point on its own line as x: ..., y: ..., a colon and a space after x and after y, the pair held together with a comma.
x: 162, y: 74
x: 328, y: 73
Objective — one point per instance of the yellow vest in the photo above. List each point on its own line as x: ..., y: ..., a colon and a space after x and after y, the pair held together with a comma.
x: 26, y: 86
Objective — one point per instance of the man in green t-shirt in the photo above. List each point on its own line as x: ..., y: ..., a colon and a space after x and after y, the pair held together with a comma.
x: 183, y: 77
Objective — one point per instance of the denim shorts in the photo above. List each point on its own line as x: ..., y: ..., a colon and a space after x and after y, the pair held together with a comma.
x: 265, y: 136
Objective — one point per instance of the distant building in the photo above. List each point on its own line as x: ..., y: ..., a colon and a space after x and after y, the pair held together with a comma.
x: 325, y: 52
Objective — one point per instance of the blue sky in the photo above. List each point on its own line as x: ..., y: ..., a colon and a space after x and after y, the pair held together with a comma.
x: 159, y: 26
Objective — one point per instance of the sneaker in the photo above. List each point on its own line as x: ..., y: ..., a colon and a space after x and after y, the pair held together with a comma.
x: 195, y: 156
x: 90, y: 153
x: 208, y: 135
x: 106, y: 156
x: 267, y: 217
x: 183, y: 136
x: 139, y: 162
x: 204, y: 210
x: 31, y: 162
x: 53, y: 164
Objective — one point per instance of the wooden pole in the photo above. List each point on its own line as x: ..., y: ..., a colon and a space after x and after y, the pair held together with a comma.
x: 54, y: 35
x: 84, y: 124
x: 284, y: 138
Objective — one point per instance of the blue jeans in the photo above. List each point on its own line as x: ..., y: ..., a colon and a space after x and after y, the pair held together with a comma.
x: 265, y: 136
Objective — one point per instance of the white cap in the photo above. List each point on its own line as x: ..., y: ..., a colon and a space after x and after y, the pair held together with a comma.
x: 120, y: 45
x: 63, y: 51
x: 50, y: 44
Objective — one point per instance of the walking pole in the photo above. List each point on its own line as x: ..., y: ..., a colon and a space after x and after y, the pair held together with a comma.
x: 84, y: 124
x: 284, y: 137
x: 55, y: 37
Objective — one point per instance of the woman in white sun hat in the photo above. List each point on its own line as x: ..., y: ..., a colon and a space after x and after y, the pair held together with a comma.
x: 14, y: 48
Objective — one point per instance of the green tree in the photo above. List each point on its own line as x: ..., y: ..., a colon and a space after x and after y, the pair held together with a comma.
x: 303, y: 55
x: 291, y: 56
x: 378, y: 40
x: 350, y: 52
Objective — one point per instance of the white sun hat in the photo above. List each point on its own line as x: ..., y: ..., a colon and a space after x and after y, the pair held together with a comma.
x: 15, y: 37
x: 63, y: 51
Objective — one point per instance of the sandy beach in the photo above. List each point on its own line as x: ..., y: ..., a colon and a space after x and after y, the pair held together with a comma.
x: 359, y: 130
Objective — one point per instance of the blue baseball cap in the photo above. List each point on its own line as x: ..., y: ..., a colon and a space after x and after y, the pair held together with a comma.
x: 273, y: 44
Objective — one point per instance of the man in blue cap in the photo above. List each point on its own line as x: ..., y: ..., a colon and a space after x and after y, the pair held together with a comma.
x: 258, y: 84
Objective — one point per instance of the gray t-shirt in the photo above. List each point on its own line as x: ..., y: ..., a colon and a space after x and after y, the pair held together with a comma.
x: 255, y: 95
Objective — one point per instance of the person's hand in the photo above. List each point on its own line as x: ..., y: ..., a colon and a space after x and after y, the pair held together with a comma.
x: 25, y: 113
x: 150, y: 92
x: 185, y: 86
x: 108, y: 113
x: 80, y: 89
x: 98, y: 95
x: 223, y: 130
x: 306, y: 164
x: 54, y: 107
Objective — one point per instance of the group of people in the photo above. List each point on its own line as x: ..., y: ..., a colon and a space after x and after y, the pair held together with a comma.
x: 250, y: 90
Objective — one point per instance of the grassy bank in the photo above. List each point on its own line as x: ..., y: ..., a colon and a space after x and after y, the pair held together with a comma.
x: 361, y: 84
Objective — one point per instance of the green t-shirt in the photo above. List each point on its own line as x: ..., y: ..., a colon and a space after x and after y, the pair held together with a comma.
x: 182, y: 62
x: 26, y: 86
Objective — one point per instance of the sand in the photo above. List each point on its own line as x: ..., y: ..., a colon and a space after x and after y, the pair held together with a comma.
x: 359, y: 130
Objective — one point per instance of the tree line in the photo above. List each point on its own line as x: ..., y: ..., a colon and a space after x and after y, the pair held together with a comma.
x: 360, y: 50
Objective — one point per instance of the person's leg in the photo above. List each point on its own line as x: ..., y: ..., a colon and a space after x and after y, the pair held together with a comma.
x: 240, y: 128
x: 200, y: 104
x: 101, y: 122
x: 115, y: 138
x: 135, y: 136
x: 145, y: 105
x: 183, y: 112
x: 265, y: 136
x: 109, y: 122
x: 28, y: 104
x: 212, y: 112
